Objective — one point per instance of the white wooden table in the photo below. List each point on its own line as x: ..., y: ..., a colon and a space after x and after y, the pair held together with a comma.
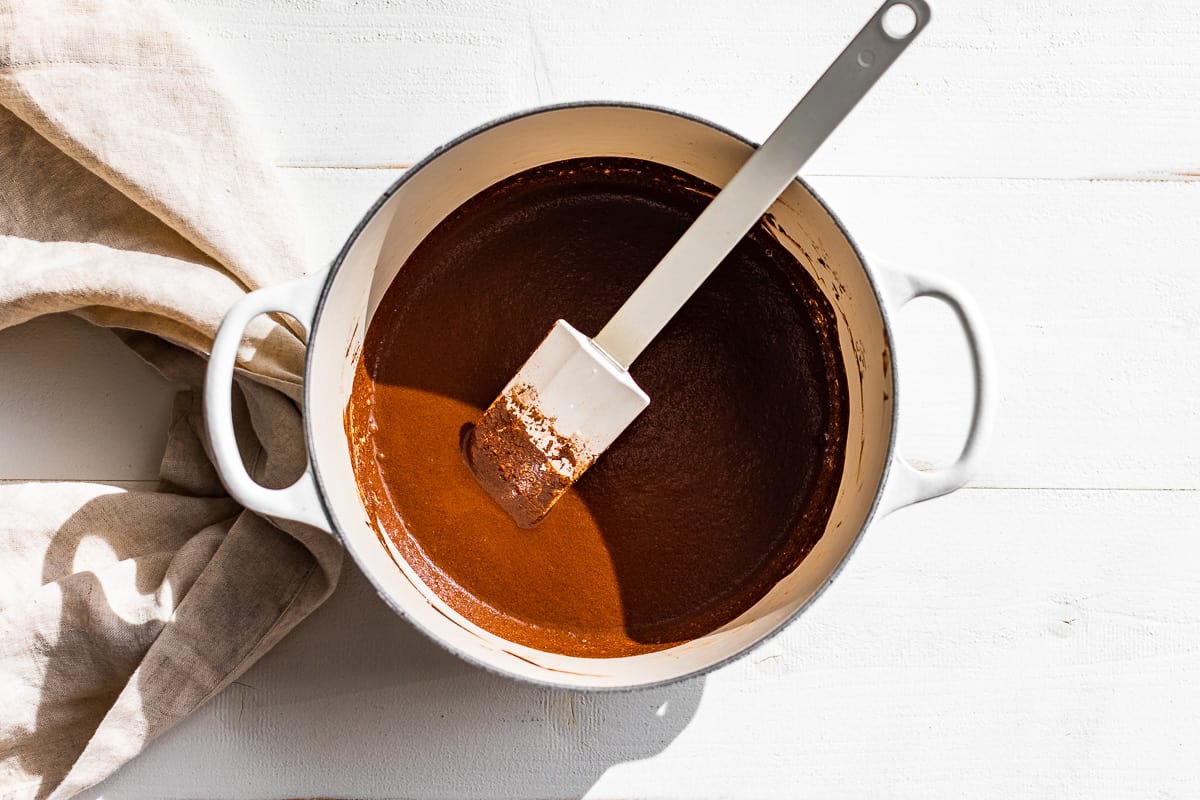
x: 1035, y: 634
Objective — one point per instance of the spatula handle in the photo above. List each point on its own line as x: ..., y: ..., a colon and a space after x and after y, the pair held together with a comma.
x: 758, y: 183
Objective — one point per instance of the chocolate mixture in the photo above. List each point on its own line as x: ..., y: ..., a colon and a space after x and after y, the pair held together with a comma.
x: 718, y: 490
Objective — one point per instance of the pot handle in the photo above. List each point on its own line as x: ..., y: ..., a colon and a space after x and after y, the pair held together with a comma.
x: 906, y: 484
x: 298, y: 502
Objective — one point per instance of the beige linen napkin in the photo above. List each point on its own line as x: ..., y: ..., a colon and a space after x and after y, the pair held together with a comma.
x: 132, y: 195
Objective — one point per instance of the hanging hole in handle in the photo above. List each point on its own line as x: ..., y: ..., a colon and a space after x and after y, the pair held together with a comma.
x: 936, y: 391
x: 899, y: 21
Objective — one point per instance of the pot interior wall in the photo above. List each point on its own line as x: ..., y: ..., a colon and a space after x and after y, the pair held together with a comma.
x: 471, y: 165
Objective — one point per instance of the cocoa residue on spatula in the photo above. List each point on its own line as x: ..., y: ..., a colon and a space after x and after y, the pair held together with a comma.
x: 503, y: 453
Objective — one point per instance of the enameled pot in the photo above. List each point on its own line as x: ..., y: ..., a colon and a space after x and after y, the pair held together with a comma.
x: 336, y: 305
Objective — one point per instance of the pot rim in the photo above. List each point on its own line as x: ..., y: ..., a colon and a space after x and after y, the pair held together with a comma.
x: 339, y: 260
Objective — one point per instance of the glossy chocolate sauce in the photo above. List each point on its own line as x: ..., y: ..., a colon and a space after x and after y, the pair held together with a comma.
x: 718, y: 490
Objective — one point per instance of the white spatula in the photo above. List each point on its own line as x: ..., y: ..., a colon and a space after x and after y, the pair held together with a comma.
x: 574, y: 396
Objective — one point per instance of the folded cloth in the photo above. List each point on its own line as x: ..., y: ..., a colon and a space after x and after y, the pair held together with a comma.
x: 133, y: 195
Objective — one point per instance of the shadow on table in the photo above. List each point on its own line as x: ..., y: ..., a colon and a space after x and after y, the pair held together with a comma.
x: 357, y: 703
x: 363, y: 704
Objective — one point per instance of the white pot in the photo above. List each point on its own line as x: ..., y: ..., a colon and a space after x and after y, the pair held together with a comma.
x: 336, y: 305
